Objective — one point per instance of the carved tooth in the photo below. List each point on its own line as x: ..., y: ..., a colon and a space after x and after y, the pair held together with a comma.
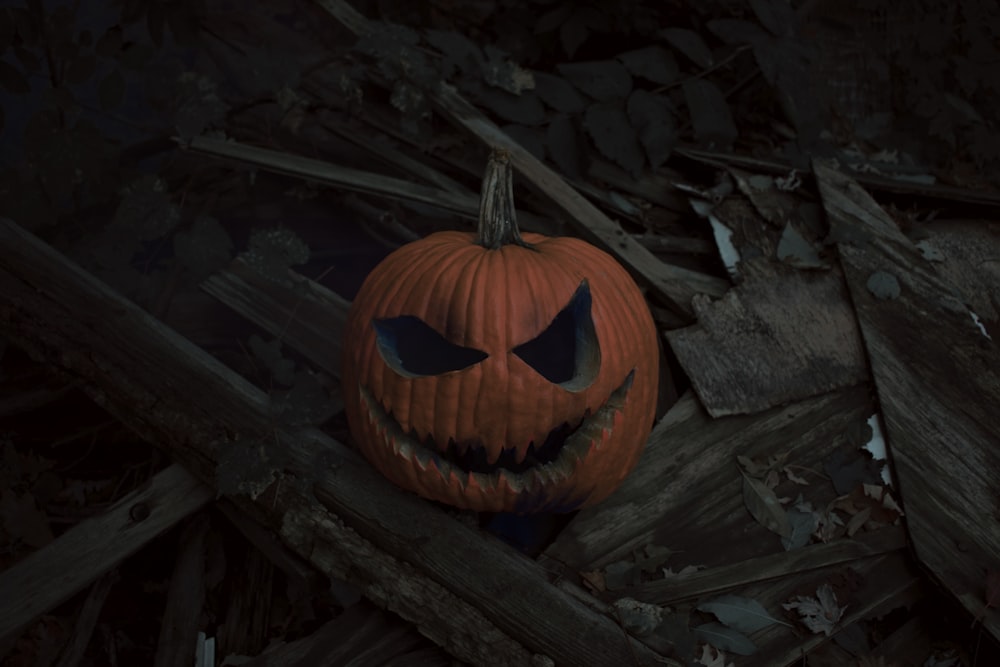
x: 406, y: 449
x: 514, y: 480
x: 423, y: 457
x: 459, y: 476
x: 538, y: 477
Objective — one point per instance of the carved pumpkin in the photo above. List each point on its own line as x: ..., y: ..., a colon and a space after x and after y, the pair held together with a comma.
x: 499, y: 373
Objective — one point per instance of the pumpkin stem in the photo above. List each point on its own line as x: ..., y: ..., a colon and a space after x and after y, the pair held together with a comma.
x: 497, y: 217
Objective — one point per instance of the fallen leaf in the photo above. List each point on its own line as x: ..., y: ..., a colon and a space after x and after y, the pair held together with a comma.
x: 751, y: 466
x: 618, y: 574
x: 858, y: 520
x: 684, y: 571
x: 594, y: 580
x: 655, y: 556
x: 639, y: 618
x: 803, y: 524
x: 712, y: 657
x: 792, y: 477
x: 847, y: 469
x: 829, y: 525
x: 883, y: 495
x: 763, y: 505
x: 819, y: 614
x: 725, y: 638
x: 876, y: 500
x: 740, y: 613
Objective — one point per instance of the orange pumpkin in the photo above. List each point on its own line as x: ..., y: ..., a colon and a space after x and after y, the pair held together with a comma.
x: 499, y: 373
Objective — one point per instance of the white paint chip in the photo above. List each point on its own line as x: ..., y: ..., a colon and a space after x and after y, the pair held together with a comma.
x: 727, y: 251
x: 979, y: 323
x: 876, y: 446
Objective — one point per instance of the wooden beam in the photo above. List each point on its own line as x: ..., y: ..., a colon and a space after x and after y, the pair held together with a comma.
x: 684, y: 494
x: 310, y: 318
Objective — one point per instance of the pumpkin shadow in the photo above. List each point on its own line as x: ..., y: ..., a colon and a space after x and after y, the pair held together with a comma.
x: 530, y: 534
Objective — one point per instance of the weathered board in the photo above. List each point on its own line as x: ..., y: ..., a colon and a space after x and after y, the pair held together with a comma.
x: 781, y: 335
x: 938, y: 382
x: 64, y: 567
x: 685, y: 493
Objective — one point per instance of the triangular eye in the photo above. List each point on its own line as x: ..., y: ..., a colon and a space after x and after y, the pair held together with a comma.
x: 567, y: 353
x: 413, y: 349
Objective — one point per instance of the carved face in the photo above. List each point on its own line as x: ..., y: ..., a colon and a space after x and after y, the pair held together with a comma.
x: 517, y: 379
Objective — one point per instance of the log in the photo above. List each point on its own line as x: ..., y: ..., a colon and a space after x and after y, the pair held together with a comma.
x: 405, y: 553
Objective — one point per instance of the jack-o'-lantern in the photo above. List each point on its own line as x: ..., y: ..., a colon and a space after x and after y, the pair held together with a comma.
x: 497, y: 372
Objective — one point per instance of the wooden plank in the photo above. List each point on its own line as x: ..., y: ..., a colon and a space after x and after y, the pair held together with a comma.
x: 938, y: 383
x: 86, y: 620
x: 93, y: 547
x: 308, y: 317
x: 361, y: 635
x: 966, y: 254
x: 398, y: 548
x: 325, y: 172
x: 781, y: 335
x: 868, y: 588
x: 950, y: 193
x: 685, y: 493
x: 763, y: 568
x: 181, y: 620
x: 676, y: 286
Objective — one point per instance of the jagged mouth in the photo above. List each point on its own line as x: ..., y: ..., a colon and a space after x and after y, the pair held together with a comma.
x: 555, y: 457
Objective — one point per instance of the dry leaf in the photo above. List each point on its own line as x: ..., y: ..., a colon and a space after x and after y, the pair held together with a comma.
x: 883, y: 496
x: 684, y: 571
x: 792, y: 477
x: 738, y: 612
x: 712, y: 657
x: 763, y: 505
x: 879, y: 502
x: 830, y: 524
x: 594, y: 580
x: 858, y: 520
x: 751, y: 466
x: 757, y: 469
x: 819, y: 614
x: 639, y: 618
